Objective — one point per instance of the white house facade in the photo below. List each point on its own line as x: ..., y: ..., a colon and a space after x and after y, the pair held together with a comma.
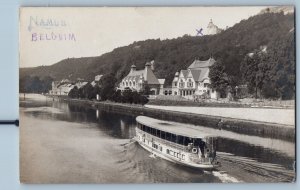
x: 194, y: 82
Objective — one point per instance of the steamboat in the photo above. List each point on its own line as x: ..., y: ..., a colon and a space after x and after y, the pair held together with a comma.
x: 179, y: 143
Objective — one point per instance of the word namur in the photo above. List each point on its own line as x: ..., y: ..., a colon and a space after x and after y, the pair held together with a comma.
x: 46, y: 23
x: 53, y: 37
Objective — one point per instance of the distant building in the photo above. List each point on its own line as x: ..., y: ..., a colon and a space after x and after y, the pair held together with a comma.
x: 63, y: 87
x: 137, y: 80
x: 194, y: 82
x: 212, y: 29
x: 97, y: 80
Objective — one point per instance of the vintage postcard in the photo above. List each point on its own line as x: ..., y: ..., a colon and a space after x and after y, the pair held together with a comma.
x: 157, y: 94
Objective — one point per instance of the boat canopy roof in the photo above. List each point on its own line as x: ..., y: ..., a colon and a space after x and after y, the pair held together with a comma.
x: 173, y: 127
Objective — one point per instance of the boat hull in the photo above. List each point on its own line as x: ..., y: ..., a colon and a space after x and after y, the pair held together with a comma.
x: 170, y: 158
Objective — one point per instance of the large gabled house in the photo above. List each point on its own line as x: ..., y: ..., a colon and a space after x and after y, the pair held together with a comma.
x: 137, y: 80
x: 194, y: 82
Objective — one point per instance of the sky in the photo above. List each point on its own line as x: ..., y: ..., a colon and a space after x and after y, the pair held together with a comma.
x: 48, y: 35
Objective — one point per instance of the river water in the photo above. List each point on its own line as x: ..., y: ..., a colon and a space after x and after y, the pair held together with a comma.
x: 64, y: 142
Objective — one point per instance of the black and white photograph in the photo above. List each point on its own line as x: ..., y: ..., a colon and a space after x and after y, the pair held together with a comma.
x: 117, y: 95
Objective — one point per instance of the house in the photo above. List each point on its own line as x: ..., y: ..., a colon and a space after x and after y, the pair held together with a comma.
x: 194, y: 82
x: 63, y: 87
x: 97, y: 80
x: 137, y: 80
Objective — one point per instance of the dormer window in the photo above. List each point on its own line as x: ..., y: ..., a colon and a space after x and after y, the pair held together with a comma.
x: 190, y: 83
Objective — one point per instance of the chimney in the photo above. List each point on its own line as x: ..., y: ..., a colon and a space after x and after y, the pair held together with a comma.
x: 133, y: 68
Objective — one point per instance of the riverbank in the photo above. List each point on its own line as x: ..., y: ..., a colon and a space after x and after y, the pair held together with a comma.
x: 242, y: 126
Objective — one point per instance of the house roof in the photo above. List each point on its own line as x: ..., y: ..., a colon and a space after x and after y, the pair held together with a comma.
x: 147, y: 73
x: 185, y: 73
x: 201, y: 64
x: 80, y: 84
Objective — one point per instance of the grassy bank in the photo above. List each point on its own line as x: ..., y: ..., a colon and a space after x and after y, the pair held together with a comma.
x: 223, y: 103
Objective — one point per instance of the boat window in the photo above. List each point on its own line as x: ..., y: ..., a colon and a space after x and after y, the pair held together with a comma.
x: 147, y: 129
x: 180, y: 139
x: 168, y: 151
x: 153, y: 131
x: 187, y: 140
x: 160, y: 148
x: 173, y: 138
x: 158, y: 133
x: 168, y: 136
x: 183, y: 157
x: 163, y: 135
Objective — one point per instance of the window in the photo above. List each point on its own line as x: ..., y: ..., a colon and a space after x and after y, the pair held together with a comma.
x: 181, y: 84
x: 168, y: 151
x: 175, y: 83
x: 126, y: 83
x: 180, y: 139
x: 160, y: 148
x: 158, y: 133
x: 173, y: 138
x: 175, y: 93
x: 183, y: 156
x: 168, y: 136
x: 130, y: 83
x: 163, y: 135
x: 123, y: 83
x: 133, y: 83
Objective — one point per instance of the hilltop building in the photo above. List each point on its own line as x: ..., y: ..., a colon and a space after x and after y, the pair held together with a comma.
x: 194, y: 81
x: 212, y: 29
x: 136, y: 80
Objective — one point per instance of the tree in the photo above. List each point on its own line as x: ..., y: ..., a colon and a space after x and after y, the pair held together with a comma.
x: 117, y: 96
x: 107, y: 85
x: 218, y: 78
x: 255, y: 71
x: 74, y: 92
x: 127, y: 96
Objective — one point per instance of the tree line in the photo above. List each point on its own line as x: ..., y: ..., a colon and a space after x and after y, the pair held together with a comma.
x: 268, y: 72
x: 35, y: 84
x: 106, y: 90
